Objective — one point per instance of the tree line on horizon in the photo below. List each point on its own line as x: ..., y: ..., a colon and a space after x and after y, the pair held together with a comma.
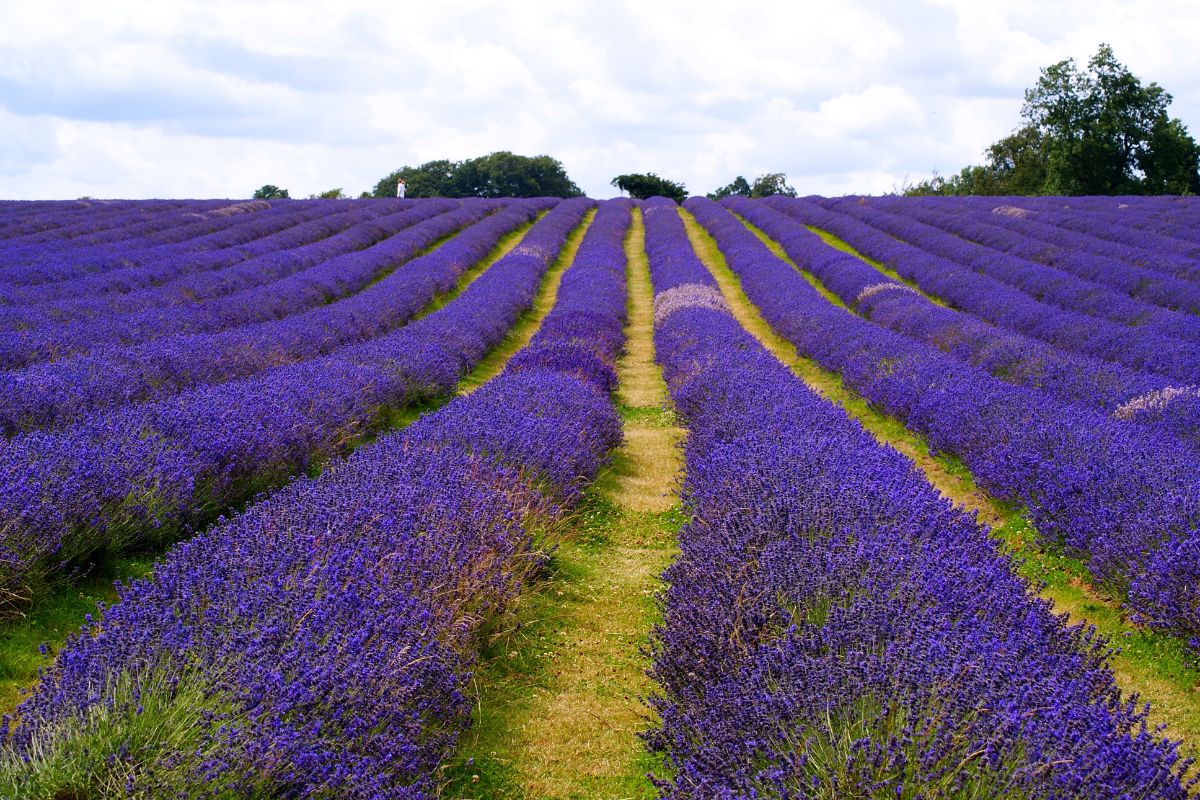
x: 505, y: 174
x: 1093, y: 130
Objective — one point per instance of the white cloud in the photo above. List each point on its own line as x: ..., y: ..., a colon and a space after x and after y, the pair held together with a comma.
x: 197, y: 98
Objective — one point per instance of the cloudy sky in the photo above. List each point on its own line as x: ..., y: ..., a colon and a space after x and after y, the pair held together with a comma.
x: 213, y: 99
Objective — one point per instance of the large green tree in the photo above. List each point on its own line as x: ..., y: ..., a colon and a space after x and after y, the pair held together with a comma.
x: 771, y: 183
x: 499, y: 174
x: 1098, y: 130
x: 646, y: 184
x: 270, y: 191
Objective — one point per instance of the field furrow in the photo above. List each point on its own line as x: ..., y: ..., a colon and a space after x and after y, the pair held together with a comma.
x: 562, y: 698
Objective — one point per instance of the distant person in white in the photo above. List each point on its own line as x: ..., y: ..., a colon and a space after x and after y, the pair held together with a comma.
x: 400, y: 188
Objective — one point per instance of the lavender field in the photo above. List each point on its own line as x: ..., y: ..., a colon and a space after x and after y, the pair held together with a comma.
x: 859, y: 497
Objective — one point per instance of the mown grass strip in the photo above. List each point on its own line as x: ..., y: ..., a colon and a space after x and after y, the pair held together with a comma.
x: 31, y: 641
x: 1155, y: 666
x: 503, y: 247
x: 562, y: 695
x: 529, y: 322
x: 837, y: 244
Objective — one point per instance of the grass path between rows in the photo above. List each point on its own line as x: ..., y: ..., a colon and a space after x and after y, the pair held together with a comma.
x: 1154, y: 666
x: 57, y: 614
x: 838, y: 244
x: 562, y: 696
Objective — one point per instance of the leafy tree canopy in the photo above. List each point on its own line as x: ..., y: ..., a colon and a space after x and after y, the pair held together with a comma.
x: 644, y: 185
x: 331, y: 194
x: 1097, y: 130
x: 499, y: 174
x: 740, y: 187
x: 271, y: 192
x: 763, y: 186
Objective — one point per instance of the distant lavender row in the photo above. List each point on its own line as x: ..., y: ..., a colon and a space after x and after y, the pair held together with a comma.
x: 138, y: 229
x: 1101, y: 225
x: 833, y: 627
x: 1052, y: 246
x: 55, y: 221
x: 1012, y: 357
x: 342, y: 615
x: 22, y: 219
x: 1099, y: 233
x: 1178, y: 225
x: 277, y: 286
x: 197, y: 277
x: 1128, y: 502
x: 84, y: 272
x: 1003, y: 305
x: 1142, y: 322
x: 147, y: 472
x: 65, y: 391
x: 48, y: 266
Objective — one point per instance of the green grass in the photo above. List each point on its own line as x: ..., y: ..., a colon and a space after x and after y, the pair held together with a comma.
x: 517, y: 668
x: 649, y: 416
x: 132, y: 738
x: 54, y: 616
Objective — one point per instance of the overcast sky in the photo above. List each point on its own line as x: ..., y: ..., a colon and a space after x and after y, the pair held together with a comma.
x: 212, y: 99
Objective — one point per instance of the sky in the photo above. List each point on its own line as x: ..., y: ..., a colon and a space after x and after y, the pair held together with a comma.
x: 214, y: 99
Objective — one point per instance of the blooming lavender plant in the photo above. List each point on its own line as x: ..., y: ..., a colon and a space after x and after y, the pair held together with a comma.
x: 1057, y: 247
x: 149, y: 472
x: 1012, y: 357
x: 177, y: 267
x: 1092, y: 484
x: 1003, y: 305
x: 1049, y: 285
x: 343, y: 613
x: 305, y: 277
x: 67, y: 390
x: 833, y: 627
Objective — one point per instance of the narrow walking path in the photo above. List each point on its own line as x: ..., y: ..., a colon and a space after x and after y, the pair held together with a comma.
x: 1154, y: 666
x: 561, y: 700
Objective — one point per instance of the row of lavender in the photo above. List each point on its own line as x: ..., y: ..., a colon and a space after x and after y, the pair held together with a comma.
x: 1128, y: 501
x: 139, y: 229
x: 319, y: 645
x: 69, y: 389
x: 1155, y: 233
x: 1070, y: 285
x: 46, y: 222
x: 1139, y: 275
x: 833, y: 627
x: 272, y: 286
x: 1010, y: 356
x: 983, y: 289
x: 163, y: 268
x: 147, y: 472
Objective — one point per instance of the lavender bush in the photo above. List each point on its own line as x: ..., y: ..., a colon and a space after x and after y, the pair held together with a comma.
x: 833, y: 627
x: 1095, y: 485
x: 328, y: 632
x: 148, y: 472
